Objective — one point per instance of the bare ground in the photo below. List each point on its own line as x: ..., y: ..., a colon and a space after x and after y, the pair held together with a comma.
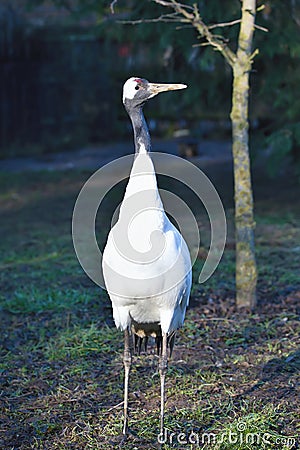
x: 61, y: 359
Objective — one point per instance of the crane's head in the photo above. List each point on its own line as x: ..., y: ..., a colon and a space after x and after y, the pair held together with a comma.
x: 137, y: 91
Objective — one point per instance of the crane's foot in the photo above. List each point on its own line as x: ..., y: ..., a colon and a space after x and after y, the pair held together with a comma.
x: 123, y: 439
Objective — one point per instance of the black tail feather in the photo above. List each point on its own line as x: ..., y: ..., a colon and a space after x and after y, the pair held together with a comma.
x: 150, y: 330
x: 145, y: 343
x: 171, y: 342
x: 158, y: 341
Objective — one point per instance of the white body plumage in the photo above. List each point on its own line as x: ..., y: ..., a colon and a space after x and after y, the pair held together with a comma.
x: 147, y: 288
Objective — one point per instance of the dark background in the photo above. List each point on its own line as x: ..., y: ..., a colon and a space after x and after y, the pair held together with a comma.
x: 63, y: 63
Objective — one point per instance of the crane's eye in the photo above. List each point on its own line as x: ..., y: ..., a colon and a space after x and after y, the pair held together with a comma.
x: 137, y: 87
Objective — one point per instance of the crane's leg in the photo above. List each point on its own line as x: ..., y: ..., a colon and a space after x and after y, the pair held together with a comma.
x: 163, y: 365
x: 127, y: 364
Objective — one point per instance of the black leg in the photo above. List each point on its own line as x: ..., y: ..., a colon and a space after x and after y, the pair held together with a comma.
x: 127, y: 363
x: 171, y: 342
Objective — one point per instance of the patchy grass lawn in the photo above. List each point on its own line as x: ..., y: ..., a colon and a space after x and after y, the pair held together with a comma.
x: 233, y: 382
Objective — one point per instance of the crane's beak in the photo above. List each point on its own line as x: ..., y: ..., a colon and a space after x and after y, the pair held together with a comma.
x: 156, y: 88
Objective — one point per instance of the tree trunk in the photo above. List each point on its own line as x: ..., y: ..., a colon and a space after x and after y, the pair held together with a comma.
x: 241, y: 62
x: 246, y: 271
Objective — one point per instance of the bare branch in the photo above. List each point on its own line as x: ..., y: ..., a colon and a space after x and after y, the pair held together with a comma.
x: 182, y: 27
x: 260, y: 8
x: 171, y: 4
x: 187, y: 14
x: 261, y: 28
x: 225, y: 24
x: 112, y: 5
x: 195, y: 19
x: 172, y: 17
x: 253, y: 54
x: 203, y: 44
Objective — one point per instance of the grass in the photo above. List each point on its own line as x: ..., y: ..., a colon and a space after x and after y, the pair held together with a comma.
x: 234, y: 377
x: 79, y: 342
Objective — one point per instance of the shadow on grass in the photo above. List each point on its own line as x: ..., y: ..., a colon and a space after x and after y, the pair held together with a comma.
x: 281, y: 367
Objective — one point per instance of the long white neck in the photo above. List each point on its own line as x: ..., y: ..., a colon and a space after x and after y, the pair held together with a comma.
x: 143, y: 180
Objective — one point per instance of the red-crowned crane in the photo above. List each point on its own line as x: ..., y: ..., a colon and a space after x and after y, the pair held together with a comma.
x: 146, y: 262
